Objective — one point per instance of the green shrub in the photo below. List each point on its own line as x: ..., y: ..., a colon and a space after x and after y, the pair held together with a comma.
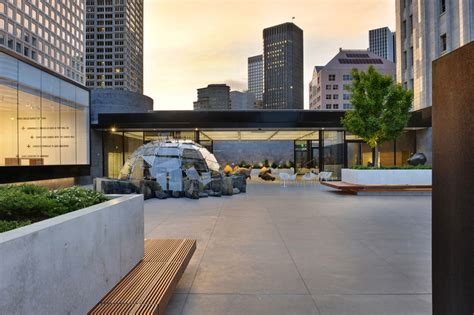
x: 11, y: 225
x: 19, y: 203
x: 75, y: 198
x: 274, y: 165
x: 24, y: 201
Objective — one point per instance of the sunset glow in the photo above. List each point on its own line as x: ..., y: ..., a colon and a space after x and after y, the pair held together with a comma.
x: 189, y: 44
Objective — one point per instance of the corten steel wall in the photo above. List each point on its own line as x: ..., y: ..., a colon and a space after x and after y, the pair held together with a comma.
x: 453, y: 183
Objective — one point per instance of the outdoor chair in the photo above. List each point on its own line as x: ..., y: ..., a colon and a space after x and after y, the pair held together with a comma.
x: 325, y: 176
x: 309, y: 177
x: 285, y: 177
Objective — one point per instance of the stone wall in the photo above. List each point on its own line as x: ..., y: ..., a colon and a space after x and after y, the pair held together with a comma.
x: 228, y: 152
x: 118, y: 101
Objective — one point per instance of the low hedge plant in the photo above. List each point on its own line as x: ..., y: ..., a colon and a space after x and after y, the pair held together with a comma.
x: 23, y: 204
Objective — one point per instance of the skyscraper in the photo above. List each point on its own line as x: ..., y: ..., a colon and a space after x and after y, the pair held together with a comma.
x: 48, y: 33
x: 283, y: 67
x: 255, y: 77
x: 213, y: 97
x: 382, y: 43
x: 426, y: 30
x: 114, y: 44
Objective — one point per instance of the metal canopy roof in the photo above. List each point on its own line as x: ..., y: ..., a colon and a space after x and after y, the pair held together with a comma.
x: 246, y: 125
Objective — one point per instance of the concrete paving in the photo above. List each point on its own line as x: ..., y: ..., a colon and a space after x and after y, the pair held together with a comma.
x: 300, y: 250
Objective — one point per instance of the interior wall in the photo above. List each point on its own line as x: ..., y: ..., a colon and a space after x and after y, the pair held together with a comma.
x: 228, y: 152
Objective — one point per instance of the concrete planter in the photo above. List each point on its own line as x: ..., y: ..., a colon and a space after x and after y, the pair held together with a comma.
x: 386, y: 177
x: 66, y: 264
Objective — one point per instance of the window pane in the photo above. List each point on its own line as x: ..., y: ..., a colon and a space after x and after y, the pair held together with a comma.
x: 8, y: 111
x: 82, y: 126
x: 29, y: 116
x: 50, y: 112
x: 68, y: 124
x: 334, y: 152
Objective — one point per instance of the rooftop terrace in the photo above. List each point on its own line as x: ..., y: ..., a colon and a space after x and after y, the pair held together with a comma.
x: 300, y: 250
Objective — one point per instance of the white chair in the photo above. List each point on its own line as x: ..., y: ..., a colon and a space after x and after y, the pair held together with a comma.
x: 308, y: 177
x: 325, y: 176
x: 284, y: 177
x: 292, y: 178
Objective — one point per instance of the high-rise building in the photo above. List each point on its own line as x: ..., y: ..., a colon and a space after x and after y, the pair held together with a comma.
x: 49, y: 33
x: 255, y: 77
x: 426, y: 30
x: 114, y: 44
x: 242, y: 100
x: 213, y: 97
x: 283, y: 67
x: 382, y: 43
x: 329, y: 88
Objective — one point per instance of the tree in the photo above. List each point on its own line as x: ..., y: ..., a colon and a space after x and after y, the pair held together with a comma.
x: 381, y: 108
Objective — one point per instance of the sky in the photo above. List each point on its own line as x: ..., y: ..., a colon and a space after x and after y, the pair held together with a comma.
x: 189, y: 44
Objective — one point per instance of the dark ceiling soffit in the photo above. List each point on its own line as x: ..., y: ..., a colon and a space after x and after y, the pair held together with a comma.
x: 181, y: 120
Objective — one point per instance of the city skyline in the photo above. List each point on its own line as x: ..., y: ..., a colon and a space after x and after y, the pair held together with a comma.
x: 182, y: 54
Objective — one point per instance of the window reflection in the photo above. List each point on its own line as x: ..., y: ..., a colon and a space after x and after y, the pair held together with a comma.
x: 43, y: 120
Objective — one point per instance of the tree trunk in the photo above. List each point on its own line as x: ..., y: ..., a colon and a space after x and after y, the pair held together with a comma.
x: 376, y: 156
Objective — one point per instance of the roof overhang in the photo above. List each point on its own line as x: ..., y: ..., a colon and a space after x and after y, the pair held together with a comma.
x: 249, y: 123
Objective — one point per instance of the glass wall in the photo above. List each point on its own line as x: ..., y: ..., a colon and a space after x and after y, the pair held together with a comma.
x: 43, y: 120
x: 333, y: 157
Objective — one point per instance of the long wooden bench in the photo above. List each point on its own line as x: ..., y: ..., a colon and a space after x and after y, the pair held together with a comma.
x: 148, y: 287
x: 356, y: 188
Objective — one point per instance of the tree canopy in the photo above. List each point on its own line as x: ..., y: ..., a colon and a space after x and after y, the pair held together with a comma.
x: 381, y: 107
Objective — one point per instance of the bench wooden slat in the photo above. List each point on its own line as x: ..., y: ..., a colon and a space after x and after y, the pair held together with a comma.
x: 148, y: 287
x: 376, y: 188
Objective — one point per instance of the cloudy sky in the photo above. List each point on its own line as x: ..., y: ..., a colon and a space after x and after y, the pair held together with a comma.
x: 192, y: 43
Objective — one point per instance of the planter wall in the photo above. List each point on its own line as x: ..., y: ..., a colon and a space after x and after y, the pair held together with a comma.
x: 66, y: 264
x: 387, y: 177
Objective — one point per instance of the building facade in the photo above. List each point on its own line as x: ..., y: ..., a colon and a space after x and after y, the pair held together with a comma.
x: 283, y: 67
x: 427, y: 30
x: 114, y: 44
x: 382, y: 43
x: 213, y: 97
x: 49, y: 33
x: 242, y: 100
x: 329, y: 88
x: 44, y: 122
x: 255, y: 77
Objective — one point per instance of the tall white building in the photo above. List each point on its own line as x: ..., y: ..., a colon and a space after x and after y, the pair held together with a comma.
x: 255, y: 76
x: 329, y: 88
x: 382, y: 43
x: 48, y: 32
x: 426, y: 30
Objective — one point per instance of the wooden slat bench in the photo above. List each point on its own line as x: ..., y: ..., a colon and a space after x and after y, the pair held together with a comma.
x: 148, y: 287
x: 356, y: 188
